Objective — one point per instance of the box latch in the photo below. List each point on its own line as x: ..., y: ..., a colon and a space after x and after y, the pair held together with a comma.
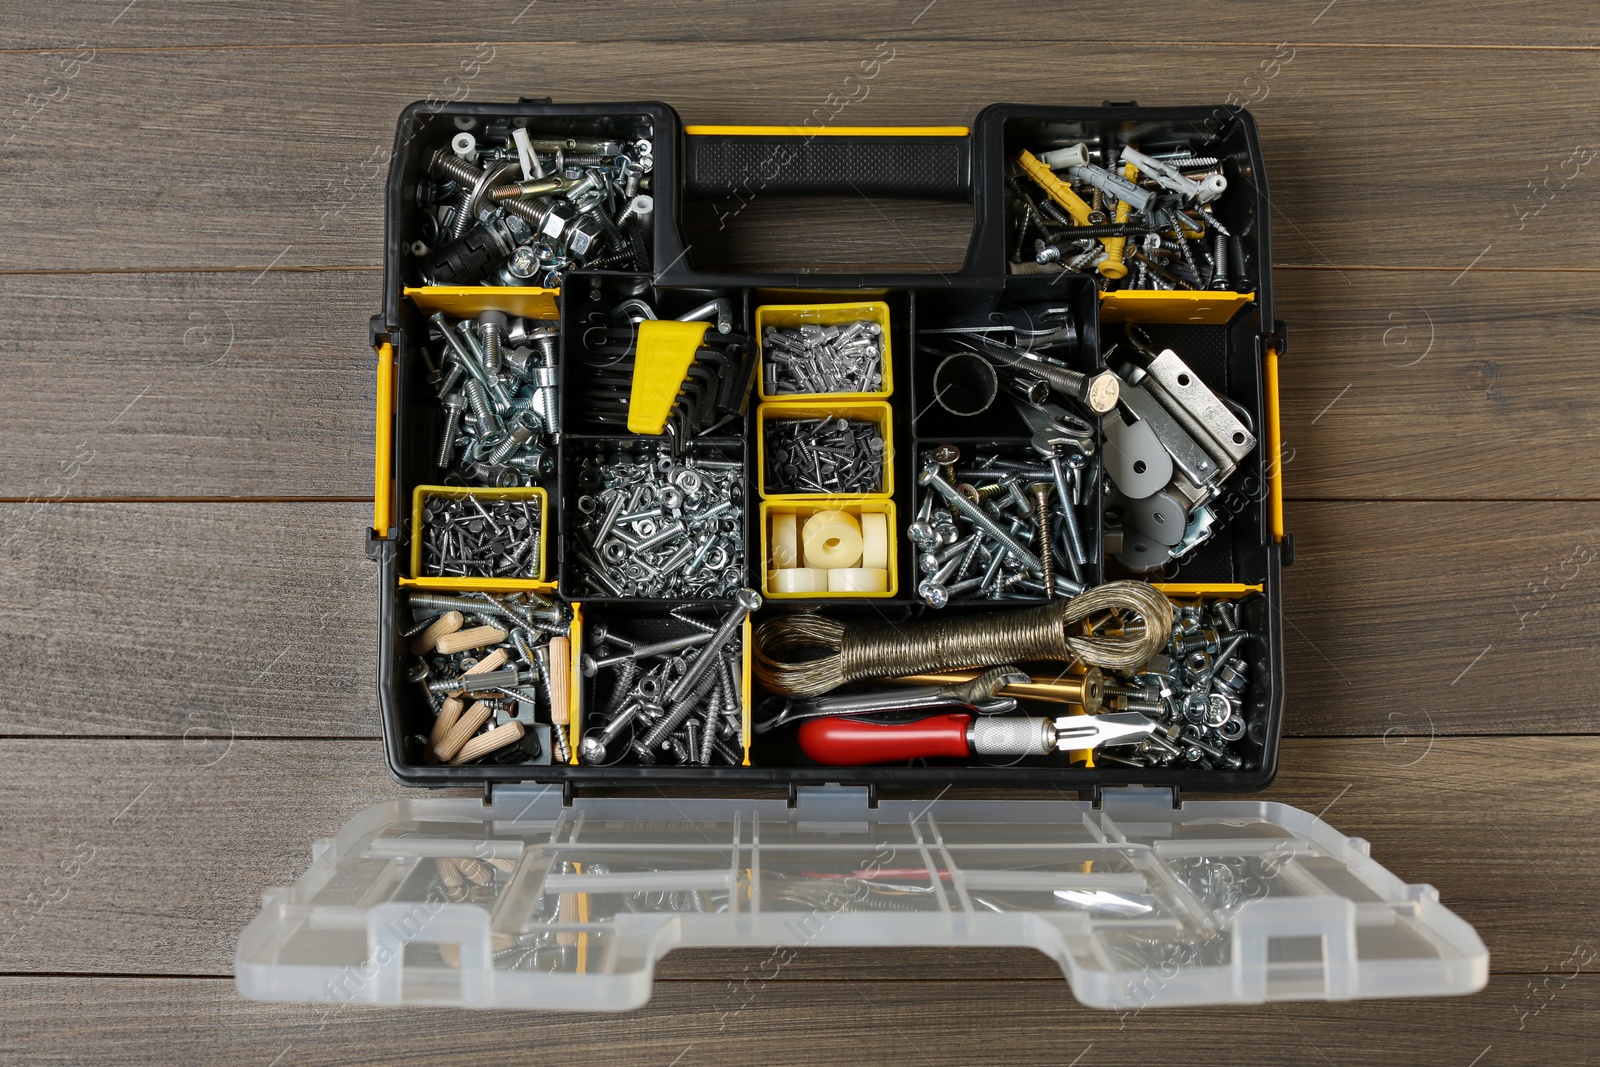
x: 1126, y: 799
x: 1277, y: 340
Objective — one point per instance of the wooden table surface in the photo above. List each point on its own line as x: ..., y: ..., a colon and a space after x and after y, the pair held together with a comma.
x: 193, y: 226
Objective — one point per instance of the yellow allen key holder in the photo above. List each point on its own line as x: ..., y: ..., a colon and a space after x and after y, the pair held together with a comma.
x: 664, y: 353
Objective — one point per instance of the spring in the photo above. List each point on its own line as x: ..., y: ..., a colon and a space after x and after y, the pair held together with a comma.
x: 856, y: 651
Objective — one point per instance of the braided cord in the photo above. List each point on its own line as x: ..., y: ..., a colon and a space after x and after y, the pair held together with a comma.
x: 880, y: 650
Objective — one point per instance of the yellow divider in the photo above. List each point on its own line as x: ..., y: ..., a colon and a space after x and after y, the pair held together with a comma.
x: 382, y: 466
x: 1211, y: 590
x: 792, y: 316
x: 826, y: 131
x: 574, y: 696
x: 744, y: 686
x: 463, y: 301
x: 1173, y: 307
x: 1269, y: 367
x: 847, y: 405
x: 802, y: 508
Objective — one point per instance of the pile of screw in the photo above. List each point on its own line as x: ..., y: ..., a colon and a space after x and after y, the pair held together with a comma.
x: 1157, y: 230
x: 491, y: 217
x: 484, y: 664
x: 465, y: 537
x: 649, y: 524
x: 832, y: 455
x: 823, y: 359
x: 1194, y: 689
x: 1002, y: 528
x: 497, y: 385
x: 678, y: 699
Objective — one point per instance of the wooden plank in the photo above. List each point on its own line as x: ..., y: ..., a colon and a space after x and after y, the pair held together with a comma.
x: 176, y: 1021
x: 240, y: 385
x: 1417, y: 385
x: 267, y: 612
x: 175, y: 846
x: 1491, y: 24
x: 1397, y: 384
x: 288, y: 146
x: 200, y: 620
x: 1416, y: 620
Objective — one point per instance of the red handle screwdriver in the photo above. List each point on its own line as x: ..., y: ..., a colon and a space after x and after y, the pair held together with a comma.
x: 840, y: 742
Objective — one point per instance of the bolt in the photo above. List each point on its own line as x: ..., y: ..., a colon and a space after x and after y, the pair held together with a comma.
x: 1219, y: 262
x: 1076, y: 556
x: 453, y: 405
x: 930, y: 477
x: 492, y: 327
x: 592, y: 749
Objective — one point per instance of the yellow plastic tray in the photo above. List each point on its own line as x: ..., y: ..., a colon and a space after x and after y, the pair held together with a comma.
x: 537, y: 583
x: 854, y: 505
x: 843, y: 404
x: 790, y: 316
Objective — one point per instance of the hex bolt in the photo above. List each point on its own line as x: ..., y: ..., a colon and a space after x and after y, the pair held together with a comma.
x: 976, y: 515
x: 491, y: 382
x: 1097, y: 392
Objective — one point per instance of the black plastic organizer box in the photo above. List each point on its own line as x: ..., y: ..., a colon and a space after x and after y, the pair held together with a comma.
x: 1229, y: 337
x: 561, y: 886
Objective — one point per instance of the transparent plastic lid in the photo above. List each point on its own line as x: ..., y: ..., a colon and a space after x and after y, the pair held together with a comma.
x: 529, y: 904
